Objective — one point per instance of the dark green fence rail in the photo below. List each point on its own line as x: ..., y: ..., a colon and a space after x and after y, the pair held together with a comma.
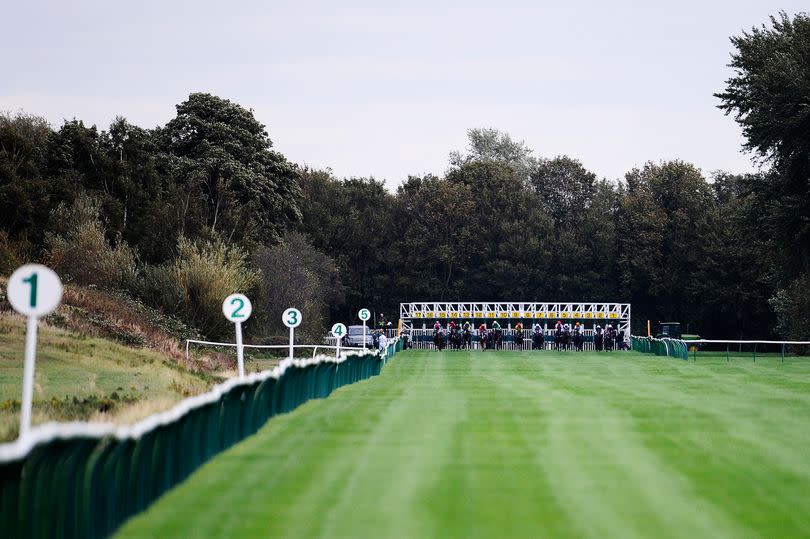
x: 84, y: 480
x: 660, y: 347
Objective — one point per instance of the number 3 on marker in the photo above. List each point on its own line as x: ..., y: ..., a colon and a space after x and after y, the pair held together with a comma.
x: 291, y: 317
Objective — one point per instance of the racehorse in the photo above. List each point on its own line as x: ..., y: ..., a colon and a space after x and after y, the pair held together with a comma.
x: 519, y: 339
x: 497, y: 338
x: 537, y: 340
x: 438, y: 340
x: 455, y: 339
x: 598, y: 340
x: 467, y: 338
x: 485, y: 339
x: 609, y: 340
x: 577, y: 341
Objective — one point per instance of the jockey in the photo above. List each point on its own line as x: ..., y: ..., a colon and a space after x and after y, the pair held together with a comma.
x: 558, y: 326
x: 496, y: 326
x: 519, y: 326
x: 437, y: 326
x: 452, y: 324
x: 482, y: 329
x: 467, y: 326
x: 537, y: 328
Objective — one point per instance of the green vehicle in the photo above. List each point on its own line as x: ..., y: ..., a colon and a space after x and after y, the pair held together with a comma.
x: 672, y: 330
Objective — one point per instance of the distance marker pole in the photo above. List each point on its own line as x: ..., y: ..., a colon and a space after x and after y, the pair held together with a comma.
x: 364, y: 315
x: 240, y: 350
x: 338, y: 330
x: 237, y: 308
x: 34, y: 291
x: 292, y: 342
x: 292, y: 319
x: 32, y: 325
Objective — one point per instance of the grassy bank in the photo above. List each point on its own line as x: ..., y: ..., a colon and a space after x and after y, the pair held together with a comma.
x: 81, y: 378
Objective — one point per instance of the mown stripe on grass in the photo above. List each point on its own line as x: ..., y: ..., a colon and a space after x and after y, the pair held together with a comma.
x: 475, y: 444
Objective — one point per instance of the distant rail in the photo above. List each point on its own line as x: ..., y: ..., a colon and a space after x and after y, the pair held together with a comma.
x: 314, y: 347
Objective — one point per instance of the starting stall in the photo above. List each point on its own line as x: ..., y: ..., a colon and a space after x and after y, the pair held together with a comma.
x: 417, y: 320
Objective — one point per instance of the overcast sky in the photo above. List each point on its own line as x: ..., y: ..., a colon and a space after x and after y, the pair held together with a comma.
x: 372, y: 89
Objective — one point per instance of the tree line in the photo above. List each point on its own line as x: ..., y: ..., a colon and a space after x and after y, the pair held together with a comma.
x: 183, y: 214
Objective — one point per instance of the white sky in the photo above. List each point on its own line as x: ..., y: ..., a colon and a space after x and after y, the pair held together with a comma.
x: 374, y: 89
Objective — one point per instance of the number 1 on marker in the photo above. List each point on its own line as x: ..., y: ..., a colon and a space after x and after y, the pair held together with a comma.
x: 33, y: 281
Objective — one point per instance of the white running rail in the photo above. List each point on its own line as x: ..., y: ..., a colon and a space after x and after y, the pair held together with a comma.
x: 314, y: 347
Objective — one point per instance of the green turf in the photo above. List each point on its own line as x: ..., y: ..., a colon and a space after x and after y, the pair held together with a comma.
x: 519, y: 445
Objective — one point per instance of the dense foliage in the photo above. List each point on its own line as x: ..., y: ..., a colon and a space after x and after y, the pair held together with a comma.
x: 180, y: 214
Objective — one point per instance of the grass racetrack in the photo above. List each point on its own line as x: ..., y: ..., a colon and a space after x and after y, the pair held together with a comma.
x: 521, y: 444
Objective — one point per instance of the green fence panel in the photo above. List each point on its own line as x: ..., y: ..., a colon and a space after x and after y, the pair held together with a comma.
x: 661, y: 347
x: 10, y: 474
x: 82, y: 485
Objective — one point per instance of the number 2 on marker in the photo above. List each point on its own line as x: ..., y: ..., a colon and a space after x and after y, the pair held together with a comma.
x: 33, y: 281
x: 235, y: 313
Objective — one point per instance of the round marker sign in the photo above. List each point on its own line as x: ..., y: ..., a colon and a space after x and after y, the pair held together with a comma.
x: 339, y: 330
x: 237, y: 308
x: 364, y: 314
x: 34, y: 290
x: 291, y: 317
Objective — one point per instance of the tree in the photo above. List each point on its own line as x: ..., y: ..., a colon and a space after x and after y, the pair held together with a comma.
x: 25, y: 197
x: 435, y: 239
x: 350, y: 221
x: 23, y: 140
x: 237, y: 187
x: 510, y: 232
x: 583, y: 212
x: 666, y: 214
x: 296, y: 274
x: 769, y: 96
x: 487, y: 144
